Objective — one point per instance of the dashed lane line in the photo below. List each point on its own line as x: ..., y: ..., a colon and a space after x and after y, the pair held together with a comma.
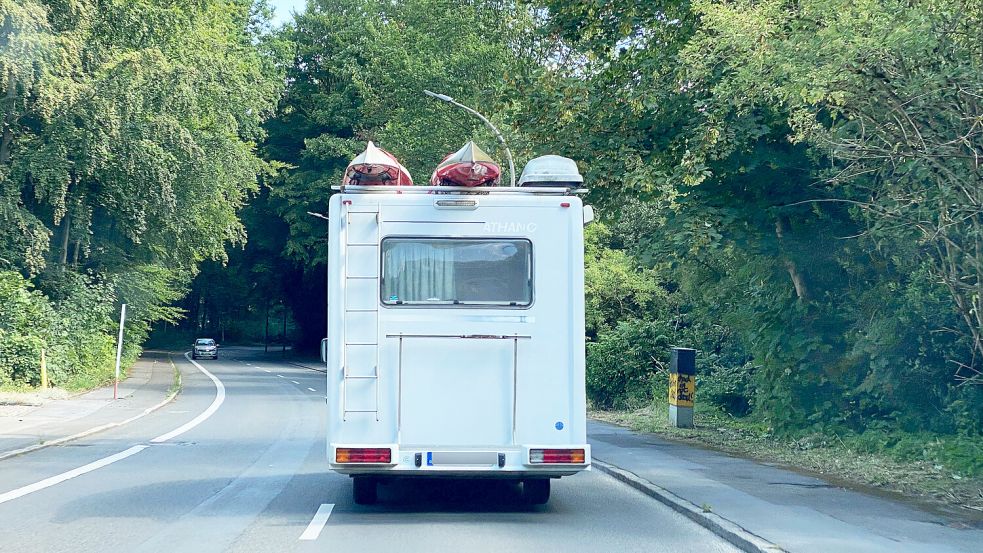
x: 317, y: 523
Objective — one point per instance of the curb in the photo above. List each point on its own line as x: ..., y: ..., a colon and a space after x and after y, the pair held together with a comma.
x: 735, y: 534
x: 100, y: 428
x: 308, y: 367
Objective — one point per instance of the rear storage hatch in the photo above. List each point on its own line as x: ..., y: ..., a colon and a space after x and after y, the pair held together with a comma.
x: 454, y: 391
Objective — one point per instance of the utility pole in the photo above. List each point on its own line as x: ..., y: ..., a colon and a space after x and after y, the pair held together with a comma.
x: 498, y: 135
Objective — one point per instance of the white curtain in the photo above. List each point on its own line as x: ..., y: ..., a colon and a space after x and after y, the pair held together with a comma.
x: 416, y: 272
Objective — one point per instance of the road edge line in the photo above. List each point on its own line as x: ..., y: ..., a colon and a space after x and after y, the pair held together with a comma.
x: 204, y: 415
x: 729, y: 530
x: 68, y: 475
x: 102, y: 427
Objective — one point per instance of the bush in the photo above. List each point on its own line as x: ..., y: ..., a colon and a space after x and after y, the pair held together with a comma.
x: 623, y: 364
x: 729, y: 388
x: 25, y: 325
x: 76, y: 331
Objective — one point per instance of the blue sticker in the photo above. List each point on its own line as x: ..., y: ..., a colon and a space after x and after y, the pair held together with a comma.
x: 429, y: 458
x: 394, y: 298
x: 559, y: 425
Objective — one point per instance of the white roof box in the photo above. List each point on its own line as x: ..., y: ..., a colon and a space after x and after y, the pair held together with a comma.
x: 551, y: 170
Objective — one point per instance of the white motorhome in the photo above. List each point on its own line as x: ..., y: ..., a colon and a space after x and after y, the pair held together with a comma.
x: 456, y: 333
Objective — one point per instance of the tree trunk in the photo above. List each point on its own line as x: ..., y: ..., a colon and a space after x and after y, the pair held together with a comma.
x: 66, y: 226
x: 798, y: 278
x: 75, y: 253
x: 9, y: 116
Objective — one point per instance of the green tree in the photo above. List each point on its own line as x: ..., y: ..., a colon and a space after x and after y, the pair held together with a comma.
x: 358, y: 71
x: 128, y: 144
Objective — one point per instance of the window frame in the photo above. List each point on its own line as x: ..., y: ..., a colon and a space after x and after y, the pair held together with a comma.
x: 532, y: 273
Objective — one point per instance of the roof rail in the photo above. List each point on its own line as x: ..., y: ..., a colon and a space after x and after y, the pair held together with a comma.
x: 494, y: 190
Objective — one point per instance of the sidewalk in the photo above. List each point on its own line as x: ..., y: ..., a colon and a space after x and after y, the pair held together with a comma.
x: 796, y: 512
x: 25, y: 426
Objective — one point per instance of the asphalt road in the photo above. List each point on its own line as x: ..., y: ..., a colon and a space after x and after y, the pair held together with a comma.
x: 247, y: 473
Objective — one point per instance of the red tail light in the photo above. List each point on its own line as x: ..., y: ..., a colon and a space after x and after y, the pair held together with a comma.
x: 363, y: 455
x: 557, y: 456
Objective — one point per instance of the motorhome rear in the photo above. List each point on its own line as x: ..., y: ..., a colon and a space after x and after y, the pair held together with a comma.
x: 456, y: 335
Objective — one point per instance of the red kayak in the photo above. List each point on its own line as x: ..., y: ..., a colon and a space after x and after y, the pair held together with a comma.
x: 375, y: 167
x: 469, y: 166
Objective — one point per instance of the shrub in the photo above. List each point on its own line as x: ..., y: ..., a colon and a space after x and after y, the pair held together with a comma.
x: 623, y: 364
x: 76, y: 331
x: 25, y: 325
x: 729, y: 388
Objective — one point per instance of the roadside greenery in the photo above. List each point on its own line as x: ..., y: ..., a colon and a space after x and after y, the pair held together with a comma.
x: 804, y: 180
x: 128, y: 145
x: 793, y: 189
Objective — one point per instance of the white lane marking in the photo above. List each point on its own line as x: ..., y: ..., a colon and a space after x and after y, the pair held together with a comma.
x: 312, y: 389
x: 99, y: 428
x: 58, y: 479
x: 295, y: 382
x: 267, y: 370
x: 317, y: 523
x: 281, y: 376
x: 216, y: 403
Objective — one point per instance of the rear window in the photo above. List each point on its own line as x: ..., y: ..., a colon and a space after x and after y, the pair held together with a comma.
x: 456, y: 272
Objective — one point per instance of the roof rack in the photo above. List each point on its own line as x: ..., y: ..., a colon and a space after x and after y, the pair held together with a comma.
x: 534, y: 190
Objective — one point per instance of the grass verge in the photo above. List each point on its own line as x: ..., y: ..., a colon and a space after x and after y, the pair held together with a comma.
x: 176, y: 384
x: 928, y: 483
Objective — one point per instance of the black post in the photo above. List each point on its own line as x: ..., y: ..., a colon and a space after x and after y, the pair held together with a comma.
x: 682, y: 387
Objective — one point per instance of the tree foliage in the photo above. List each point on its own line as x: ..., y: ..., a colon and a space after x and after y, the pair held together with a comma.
x: 357, y: 72
x: 809, y: 181
x: 128, y: 144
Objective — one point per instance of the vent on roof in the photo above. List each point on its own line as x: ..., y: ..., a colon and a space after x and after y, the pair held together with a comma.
x: 551, y: 170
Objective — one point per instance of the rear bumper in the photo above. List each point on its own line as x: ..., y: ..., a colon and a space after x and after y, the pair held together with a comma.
x: 451, y: 462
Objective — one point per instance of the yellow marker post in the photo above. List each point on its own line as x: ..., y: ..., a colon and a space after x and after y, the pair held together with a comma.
x: 682, y: 387
x: 44, y: 371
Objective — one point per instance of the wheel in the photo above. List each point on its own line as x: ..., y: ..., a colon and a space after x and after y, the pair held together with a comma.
x: 364, y: 490
x: 536, y: 491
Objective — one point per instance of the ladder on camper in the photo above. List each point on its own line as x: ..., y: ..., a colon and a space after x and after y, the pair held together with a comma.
x: 360, y: 359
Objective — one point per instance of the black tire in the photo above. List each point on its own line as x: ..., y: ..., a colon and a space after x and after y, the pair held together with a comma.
x: 364, y: 490
x: 536, y: 491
